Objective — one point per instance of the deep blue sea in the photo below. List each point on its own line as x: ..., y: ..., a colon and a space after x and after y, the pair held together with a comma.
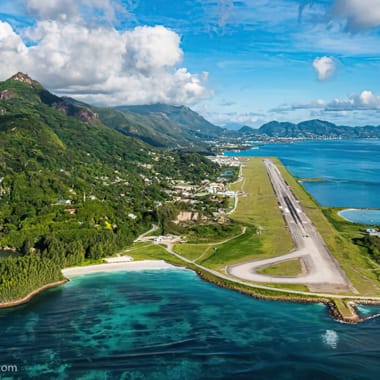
x: 350, y: 169
x: 172, y: 325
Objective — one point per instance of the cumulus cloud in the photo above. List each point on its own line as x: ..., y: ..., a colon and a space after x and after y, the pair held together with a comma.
x: 100, y: 64
x: 358, y: 14
x: 325, y: 67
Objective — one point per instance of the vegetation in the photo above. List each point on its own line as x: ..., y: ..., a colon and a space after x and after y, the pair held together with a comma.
x: 372, y: 245
x: 259, y: 208
x: 289, y: 268
x: 211, y: 232
x: 21, y: 276
x: 161, y: 125
x: 72, y: 189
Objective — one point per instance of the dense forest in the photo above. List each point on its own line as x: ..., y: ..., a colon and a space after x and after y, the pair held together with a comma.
x: 73, y: 189
x: 372, y: 245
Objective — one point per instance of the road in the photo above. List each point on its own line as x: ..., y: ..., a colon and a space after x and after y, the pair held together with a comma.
x: 322, y: 270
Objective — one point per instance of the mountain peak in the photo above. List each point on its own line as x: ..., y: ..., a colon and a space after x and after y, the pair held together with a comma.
x: 21, y: 77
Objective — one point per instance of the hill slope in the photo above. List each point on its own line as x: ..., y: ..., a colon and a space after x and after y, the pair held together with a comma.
x: 70, y: 187
x: 161, y: 125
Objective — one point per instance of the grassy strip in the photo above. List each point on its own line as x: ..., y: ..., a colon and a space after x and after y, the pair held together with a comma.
x: 344, y: 309
x: 338, y: 237
x: 259, y: 207
x: 150, y: 251
x: 289, y: 268
x: 243, y: 248
x: 192, y: 251
x: 311, y: 180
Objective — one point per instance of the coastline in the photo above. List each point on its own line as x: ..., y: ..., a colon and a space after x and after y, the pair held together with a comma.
x: 117, y: 267
x: 91, y: 269
x: 332, y: 308
x: 142, y: 265
x: 343, y: 211
x: 28, y: 297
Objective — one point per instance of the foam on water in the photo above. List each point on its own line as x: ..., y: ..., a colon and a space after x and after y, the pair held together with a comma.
x: 330, y: 338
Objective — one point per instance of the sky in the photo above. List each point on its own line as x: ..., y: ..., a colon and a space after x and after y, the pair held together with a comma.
x: 243, y: 62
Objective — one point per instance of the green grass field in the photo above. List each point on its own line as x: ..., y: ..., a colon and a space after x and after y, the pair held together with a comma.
x: 289, y: 268
x: 150, y: 251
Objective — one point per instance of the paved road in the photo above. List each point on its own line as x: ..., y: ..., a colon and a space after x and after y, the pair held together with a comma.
x: 321, y: 267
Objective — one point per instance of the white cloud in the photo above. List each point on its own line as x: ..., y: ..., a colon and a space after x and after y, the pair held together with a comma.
x: 364, y: 101
x: 358, y: 14
x: 102, y: 65
x: 10, y: 42
x: 325, y: 67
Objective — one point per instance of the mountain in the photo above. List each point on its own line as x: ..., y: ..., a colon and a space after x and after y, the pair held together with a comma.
x: 161, y: 125
x: 311, y: 129
x: 247, y: 130
x: 72, y: 188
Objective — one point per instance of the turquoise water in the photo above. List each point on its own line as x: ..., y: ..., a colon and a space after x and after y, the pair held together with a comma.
x: 171, y: 325
x: 370, y: 217
x: 350, y: 169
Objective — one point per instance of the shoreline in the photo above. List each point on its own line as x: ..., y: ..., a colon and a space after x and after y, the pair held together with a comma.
x: 332, y: 308
x: 71, y: 272
x: 128, y: 266
x: 341, y: 214
x: 28, y: 297
x: 143, y: 265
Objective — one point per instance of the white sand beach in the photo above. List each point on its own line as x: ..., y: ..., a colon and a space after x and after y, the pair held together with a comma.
x: 117, y: 267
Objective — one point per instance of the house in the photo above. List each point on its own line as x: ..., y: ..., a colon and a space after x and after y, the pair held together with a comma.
x: 71, y: 211
x: 64, y: 202
x: 374, y: 232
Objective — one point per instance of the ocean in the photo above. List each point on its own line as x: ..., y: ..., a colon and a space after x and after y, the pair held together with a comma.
x: 171, y: 325
x: 349, y: 170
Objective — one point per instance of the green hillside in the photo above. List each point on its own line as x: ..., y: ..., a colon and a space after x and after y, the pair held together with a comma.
x: 70, y: 187
x: 161, y: 125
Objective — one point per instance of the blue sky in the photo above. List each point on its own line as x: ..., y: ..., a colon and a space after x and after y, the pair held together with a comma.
x: 236, y: 62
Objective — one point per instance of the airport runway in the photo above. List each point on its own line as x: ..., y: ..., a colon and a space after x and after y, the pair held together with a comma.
x: 321, y: 268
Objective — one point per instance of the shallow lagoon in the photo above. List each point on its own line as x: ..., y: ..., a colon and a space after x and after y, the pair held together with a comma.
x: 369, y: 217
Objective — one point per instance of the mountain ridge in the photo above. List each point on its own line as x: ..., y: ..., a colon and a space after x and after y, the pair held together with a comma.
x: 161, y: 125
x: 315, y: 128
